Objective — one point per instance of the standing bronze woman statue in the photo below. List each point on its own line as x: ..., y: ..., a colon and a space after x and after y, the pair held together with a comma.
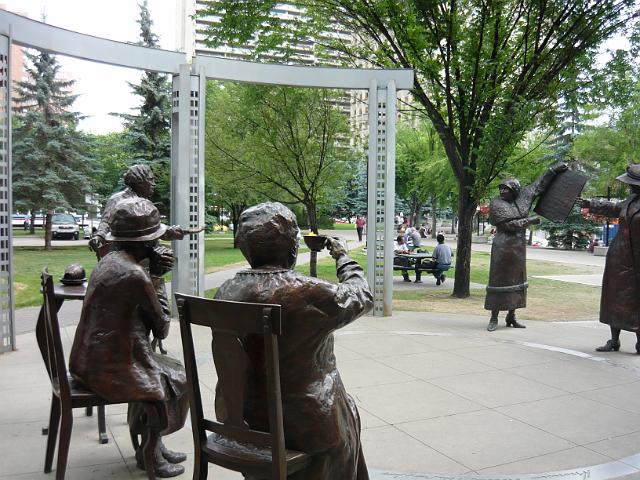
x: 620, y: 301
x: 509, y: 213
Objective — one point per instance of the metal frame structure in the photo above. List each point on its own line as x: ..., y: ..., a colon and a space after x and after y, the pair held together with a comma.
x: 187, y: 154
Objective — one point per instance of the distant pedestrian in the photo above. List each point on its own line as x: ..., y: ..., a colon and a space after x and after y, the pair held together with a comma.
x: 360, y: 223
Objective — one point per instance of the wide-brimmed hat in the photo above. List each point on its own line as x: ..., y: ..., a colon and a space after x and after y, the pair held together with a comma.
x: 632, y: 176
x: 135, y: 220
x: 512, y: 184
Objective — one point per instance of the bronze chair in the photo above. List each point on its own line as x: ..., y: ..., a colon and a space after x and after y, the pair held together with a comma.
x: 232, y: 444
x: 66, y: 393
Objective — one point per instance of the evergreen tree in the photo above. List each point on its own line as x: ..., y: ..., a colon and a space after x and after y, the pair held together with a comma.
x: 50, y: 168
x: 148, y: 132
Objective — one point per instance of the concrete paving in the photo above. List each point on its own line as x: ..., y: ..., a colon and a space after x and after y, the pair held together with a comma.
x: 439, y: 398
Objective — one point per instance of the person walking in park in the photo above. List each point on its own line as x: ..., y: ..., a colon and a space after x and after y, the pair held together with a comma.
x: 360, y: 223
x: 620, y: 300
x: 507, y: 288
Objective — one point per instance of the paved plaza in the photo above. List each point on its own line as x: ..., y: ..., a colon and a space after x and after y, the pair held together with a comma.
x: 438, y: 395
x: 439, y: 398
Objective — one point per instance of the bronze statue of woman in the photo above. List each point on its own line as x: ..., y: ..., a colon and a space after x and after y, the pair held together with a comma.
x: 509, y: 213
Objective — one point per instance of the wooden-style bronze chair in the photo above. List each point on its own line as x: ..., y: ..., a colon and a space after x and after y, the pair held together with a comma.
x: 66, y: 393
x: 232, y: 444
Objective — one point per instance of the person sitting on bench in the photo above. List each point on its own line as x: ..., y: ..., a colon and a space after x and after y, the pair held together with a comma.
x: 401, y: 247
x: 441, y: 259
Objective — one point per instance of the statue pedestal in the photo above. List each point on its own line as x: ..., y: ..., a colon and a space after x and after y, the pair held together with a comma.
x: 479, y: 239
x: 600, y: 251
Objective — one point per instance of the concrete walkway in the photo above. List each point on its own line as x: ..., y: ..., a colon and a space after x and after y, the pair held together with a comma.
x: 439, y: 398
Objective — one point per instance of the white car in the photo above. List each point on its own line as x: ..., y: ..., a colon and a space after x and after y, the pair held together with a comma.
x: 63, y: 225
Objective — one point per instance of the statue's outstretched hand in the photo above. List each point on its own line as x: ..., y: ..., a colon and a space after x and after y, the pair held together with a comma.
x: 336, y: 249
x: 96, y: 242
x: 559, y: 167
x: 175, y: 232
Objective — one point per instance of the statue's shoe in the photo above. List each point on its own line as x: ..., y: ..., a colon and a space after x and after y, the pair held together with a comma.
x: 162, y: 468
x: 512, y: 322
x: 611, y: 346
x: 171, y: 456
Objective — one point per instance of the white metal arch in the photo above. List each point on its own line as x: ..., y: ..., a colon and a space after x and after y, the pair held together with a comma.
x: 187, y: 141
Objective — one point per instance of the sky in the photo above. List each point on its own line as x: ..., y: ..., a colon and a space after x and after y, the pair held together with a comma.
x: 103, y: 89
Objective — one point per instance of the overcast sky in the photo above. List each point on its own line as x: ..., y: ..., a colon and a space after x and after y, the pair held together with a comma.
x: 102, y: 88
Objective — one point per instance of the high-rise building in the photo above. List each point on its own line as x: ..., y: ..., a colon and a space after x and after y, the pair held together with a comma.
x: 17, y: 57
x: 191, y: 36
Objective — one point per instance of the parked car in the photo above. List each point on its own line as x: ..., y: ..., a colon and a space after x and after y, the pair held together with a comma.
x: 63, y: 225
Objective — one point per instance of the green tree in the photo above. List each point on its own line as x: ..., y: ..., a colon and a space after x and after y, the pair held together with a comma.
x: 290, y: 144
x: 112, y: 160
x: 148, y: 132
x: 423, y: 175
x: 226, y: 181
x: 572, y: 234
x: 486, y: 72
x: 50, y: 166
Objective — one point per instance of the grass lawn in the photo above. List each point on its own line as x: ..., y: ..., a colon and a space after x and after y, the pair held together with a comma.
x: 29, y: 261
x: 344, y: 226
x: 546, y: 299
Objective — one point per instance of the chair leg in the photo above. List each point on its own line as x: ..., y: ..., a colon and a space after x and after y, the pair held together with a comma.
x: 89, y: 411
x: 52, y: 431
x: 102, y: 426
x: 148, y: 451
x: 66, y: 425
x: 200, y: 466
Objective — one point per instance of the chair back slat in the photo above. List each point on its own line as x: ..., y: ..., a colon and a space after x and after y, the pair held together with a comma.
x: 224, y: 317
x: 230, y: 322
x: 56, y: 364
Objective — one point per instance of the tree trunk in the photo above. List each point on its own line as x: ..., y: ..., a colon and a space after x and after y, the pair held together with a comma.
x: 313, y: 227
x: 32, y: 226
x: 454, y: 220
x: 466, y: 211
x: 530, y: 239
x: 434, y: 220
x: 235, y: 210
x: 47, y: 231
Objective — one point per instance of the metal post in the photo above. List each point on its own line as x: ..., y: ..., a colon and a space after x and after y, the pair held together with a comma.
x: 381, y: 194
x: 606, y: 232
x: 187, y: 179
x: 7, y: 325
x: 389, y: 193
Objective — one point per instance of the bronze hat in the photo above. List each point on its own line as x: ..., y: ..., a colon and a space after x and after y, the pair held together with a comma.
x: 135, y: 220
x: 75, y: 271
x: 512, y: 184
x: 632, y: 176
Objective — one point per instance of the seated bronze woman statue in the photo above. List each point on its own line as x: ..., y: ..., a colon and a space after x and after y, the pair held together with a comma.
x: 112, y: 354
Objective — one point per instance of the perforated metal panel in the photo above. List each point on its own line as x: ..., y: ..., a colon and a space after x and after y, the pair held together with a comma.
x: 187, y: 186
x: 7, y: 327
x: 381, y: 194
